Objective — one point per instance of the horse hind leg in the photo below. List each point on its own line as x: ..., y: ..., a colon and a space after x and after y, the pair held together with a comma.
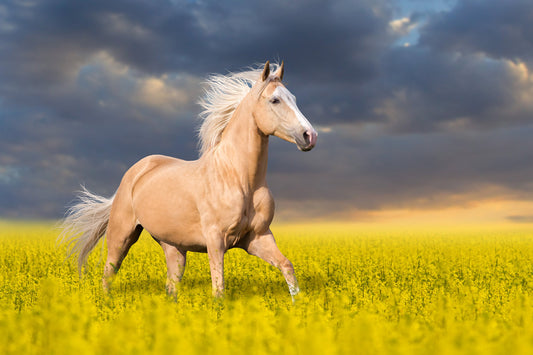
x: 120, y: 238
x: 176, y: 260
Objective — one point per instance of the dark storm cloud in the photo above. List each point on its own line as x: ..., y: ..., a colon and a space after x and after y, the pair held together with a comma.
x: 469, y: 70
x: 157, y: 36
x: 87, y: 88
x: 319, y: 40
x: 500, y: 29
x: 432, y: 91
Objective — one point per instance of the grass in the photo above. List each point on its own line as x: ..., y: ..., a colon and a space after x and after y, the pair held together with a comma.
x: 364, y: 290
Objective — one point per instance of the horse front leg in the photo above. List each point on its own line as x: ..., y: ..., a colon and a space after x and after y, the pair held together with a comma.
x: 215, y: 252
x: 264, y: 246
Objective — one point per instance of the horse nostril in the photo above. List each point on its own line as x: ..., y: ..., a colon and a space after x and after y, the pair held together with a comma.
x: 307, y: 137
x: 309, y: 140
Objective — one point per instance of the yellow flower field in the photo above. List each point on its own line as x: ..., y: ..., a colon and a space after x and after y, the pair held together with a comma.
x: 365, y: 289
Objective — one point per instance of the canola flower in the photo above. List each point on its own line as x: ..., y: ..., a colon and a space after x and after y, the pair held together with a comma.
x: 365, y: 290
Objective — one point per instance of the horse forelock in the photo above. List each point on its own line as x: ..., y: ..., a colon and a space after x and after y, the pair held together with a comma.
x: 222, y: 96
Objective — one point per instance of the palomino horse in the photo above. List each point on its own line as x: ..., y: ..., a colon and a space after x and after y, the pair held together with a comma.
x: 215, y: 203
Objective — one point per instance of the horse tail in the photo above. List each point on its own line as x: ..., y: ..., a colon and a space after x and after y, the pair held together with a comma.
x: 85, y: 224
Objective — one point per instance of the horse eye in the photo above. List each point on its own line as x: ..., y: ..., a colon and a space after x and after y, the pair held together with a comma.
x: 275, y: 100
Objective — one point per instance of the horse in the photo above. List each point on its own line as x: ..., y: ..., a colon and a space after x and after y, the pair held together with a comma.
x: 217, y: 202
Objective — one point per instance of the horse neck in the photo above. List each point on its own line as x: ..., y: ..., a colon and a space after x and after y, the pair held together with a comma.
x: 243, y: 149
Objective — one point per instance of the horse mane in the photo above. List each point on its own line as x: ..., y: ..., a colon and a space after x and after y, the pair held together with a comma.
x: 222, y: 96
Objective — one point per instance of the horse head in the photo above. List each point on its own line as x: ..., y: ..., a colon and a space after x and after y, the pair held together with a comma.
x: 276, y: 112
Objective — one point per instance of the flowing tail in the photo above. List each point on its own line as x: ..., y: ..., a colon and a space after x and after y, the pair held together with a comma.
x: 85, y: 224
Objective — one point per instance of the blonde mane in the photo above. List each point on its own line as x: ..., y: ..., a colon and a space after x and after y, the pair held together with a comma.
x: 223, y: 95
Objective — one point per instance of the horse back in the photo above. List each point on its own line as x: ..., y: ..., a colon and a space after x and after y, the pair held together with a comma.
x: 147, y: 165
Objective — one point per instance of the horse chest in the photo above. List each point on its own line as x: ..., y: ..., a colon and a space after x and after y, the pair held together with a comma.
x: 252, y: 213
x: 237, y: 216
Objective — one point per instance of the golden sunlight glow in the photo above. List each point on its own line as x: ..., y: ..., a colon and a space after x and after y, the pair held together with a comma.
x: 159, y: 93
x: 402, y: 26
x: 498, y: 212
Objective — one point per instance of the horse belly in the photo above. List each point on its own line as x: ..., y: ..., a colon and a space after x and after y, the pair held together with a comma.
x: 184, y: 237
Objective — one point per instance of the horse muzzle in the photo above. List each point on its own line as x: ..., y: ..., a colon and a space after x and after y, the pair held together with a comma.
x: 307, y: 140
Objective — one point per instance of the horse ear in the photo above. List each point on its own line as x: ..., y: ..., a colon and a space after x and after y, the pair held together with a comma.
x: 280, y: 71
x: 266, y: 71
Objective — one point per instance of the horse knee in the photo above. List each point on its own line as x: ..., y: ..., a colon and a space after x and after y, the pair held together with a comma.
x: 286, y: 266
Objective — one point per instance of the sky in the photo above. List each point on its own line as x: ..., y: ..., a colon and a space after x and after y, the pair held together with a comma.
x: 423, y: 108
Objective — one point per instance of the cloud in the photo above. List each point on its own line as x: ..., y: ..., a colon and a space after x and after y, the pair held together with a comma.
x: 163, y: 93
x: 116, y: 85
x: 8, y: 174
x: 469, y: 70
x: 439, y: 91
x: 402, y: 26
x: 498, y: 29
